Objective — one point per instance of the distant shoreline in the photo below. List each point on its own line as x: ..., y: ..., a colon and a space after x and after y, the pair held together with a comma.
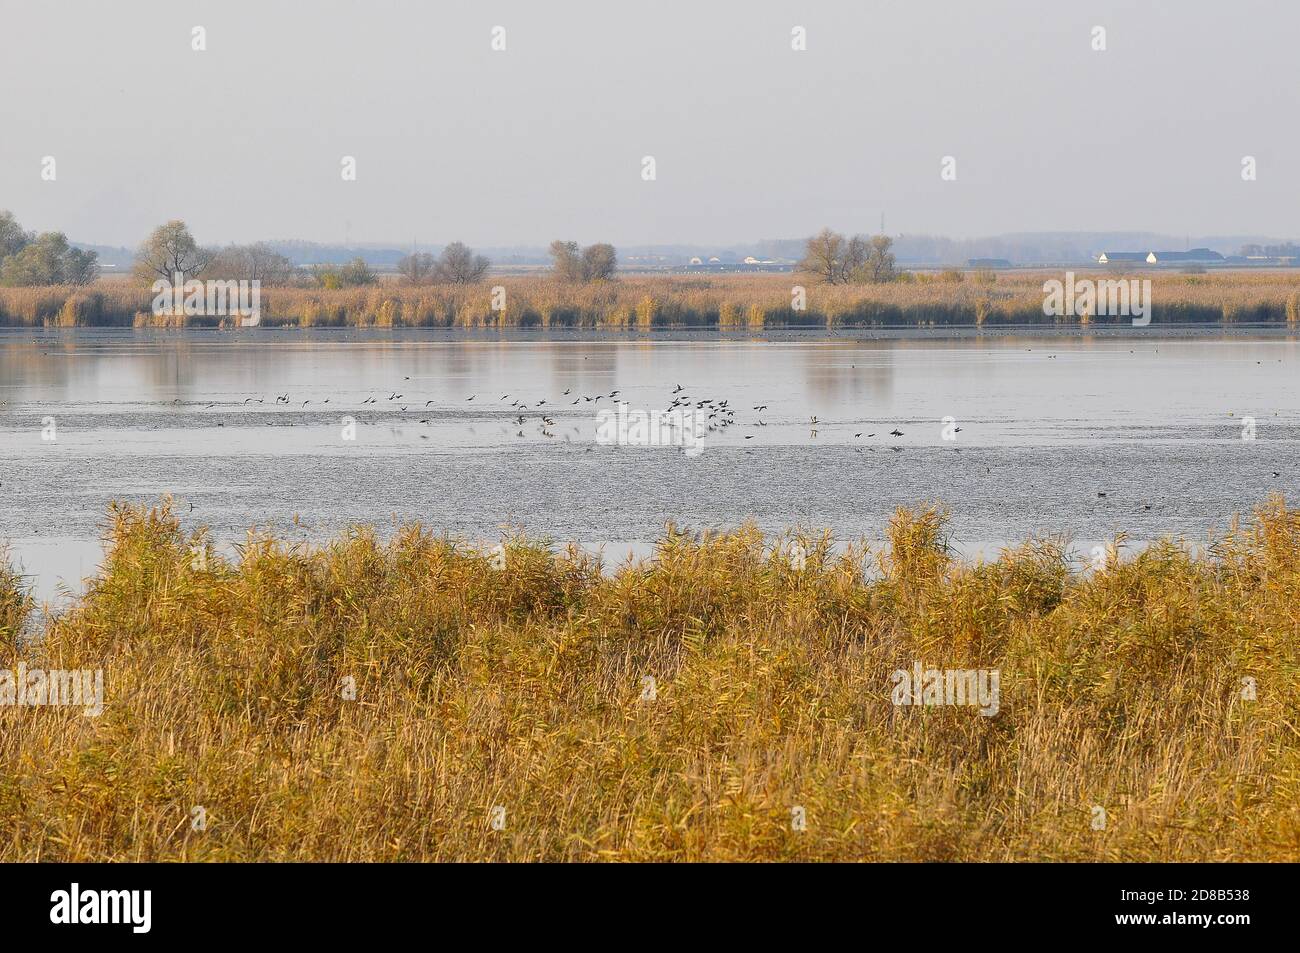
x: 669, y: 335
x: 725, y: 304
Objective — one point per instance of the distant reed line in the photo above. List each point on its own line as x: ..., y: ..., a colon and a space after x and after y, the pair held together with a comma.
x: 635, y: 303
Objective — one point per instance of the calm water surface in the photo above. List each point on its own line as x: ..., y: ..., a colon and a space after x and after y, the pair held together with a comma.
x: 1047, y: 423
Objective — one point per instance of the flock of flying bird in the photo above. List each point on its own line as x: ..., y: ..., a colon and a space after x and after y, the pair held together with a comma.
x: 720, y: 414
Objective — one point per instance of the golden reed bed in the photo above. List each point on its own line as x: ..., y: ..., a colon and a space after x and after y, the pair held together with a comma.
x: 419, y: 700
x: 724, y: 302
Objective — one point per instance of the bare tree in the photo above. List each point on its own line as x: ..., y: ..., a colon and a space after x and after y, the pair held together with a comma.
x: 593, y: 263
x: 838, y: 260
x: 170, y: 249
x: 459, y: 265
x: 599, y: 262
x: 824, y: 257
x: 879, y: 263
x: 258, y: 262
x: 567, y: 260
x: 418, y: 268
x: 857, y: 252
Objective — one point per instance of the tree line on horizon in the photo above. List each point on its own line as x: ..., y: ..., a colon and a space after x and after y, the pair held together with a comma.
x: 170, y: 250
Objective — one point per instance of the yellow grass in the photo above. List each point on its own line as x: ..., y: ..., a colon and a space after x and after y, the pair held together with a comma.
x: 640, y: 303
x: 524, y: 688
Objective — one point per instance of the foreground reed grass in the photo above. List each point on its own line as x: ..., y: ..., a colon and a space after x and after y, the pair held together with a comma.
x: 524, y: 688
x: 726, y: 302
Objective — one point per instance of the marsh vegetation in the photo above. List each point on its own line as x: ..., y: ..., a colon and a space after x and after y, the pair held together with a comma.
x: 517, y: 680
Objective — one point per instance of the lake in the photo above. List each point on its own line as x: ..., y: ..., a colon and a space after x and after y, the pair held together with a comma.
x: 1048, y: 421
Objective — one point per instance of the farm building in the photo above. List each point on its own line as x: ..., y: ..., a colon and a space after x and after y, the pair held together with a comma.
x: 1202, y: 255
x: 1195, y: 255
x: 1126, y: 257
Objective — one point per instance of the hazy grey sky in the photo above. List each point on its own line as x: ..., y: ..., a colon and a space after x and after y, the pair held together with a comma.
x: 751, y: 139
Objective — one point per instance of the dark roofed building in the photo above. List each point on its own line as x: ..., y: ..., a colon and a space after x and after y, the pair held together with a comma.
x: 1196, y: 254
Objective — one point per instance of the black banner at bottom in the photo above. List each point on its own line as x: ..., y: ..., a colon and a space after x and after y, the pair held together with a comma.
x: 219, y: 902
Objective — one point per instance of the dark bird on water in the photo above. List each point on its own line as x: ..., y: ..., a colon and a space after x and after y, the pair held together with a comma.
x: 895, y: 432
